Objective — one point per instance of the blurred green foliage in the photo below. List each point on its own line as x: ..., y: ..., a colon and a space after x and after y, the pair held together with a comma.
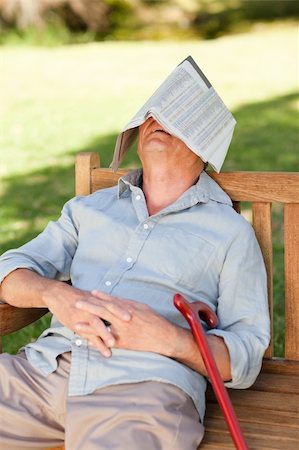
x: 46, y: 22
x: 216, y: 18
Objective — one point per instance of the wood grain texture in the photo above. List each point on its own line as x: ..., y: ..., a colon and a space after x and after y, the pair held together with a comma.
x: 291, y: 239
x: 260, y: 186
x: 85, y: 163
x: 262, y: 224
x: 279, y: 383
x: 281, y: 366
x: 12, y: 318
x: 104, y: 178
x: 55, y: 448
x: 240, y: 186
x: 267, y: 412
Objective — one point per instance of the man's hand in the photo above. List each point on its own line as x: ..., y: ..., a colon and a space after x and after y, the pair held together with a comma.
x: 149, y: 331
x: 62, y: 300
x: 146, y: 331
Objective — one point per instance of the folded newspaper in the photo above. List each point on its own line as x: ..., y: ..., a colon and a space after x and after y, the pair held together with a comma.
x: 188, y: 107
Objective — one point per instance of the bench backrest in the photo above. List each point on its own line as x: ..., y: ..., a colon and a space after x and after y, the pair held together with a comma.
x: 260, y: 189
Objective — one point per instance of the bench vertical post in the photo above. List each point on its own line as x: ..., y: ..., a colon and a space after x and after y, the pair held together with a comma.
x: 291, y: 253
x: 85, y: 163
x: 262, y: 224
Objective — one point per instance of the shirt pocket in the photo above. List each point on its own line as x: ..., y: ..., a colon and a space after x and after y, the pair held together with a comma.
x: 182, y: 256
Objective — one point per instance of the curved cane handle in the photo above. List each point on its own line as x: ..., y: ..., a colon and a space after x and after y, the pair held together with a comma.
x: 200, y: 309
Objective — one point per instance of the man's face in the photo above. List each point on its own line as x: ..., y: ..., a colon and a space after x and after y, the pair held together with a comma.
x: 155, y: 140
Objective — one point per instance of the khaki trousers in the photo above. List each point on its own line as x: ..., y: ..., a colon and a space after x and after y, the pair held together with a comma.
x: 36, y: 413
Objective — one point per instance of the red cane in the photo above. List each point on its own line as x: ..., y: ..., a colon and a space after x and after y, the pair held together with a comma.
x: 193, y: 312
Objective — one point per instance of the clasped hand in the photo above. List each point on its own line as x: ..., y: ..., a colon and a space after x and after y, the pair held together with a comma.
x: 134, y: 325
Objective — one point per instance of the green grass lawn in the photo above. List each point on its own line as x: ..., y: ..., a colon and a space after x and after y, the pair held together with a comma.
x: 56, y: 102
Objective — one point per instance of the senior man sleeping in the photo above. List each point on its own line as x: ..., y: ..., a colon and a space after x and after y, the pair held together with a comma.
x: 118, y: 368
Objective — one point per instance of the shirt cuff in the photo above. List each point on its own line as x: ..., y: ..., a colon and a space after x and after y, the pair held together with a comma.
x: 246, y: 356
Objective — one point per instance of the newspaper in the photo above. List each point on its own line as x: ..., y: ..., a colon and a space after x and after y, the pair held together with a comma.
x: 188, y: 107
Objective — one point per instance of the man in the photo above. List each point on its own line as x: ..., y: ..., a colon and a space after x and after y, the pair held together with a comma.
x: 139, y: 381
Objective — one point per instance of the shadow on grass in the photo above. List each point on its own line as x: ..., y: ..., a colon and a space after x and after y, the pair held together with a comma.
x: 266, y: 138
x: 30, y: 201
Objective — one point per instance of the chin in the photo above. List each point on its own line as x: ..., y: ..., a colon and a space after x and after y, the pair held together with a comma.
x: 156, y: 144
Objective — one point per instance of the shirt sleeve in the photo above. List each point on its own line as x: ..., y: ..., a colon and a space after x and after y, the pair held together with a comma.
x: 243, y: 308
x: 50, y: 254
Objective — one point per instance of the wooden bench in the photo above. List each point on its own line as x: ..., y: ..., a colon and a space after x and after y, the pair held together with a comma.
x: 269, y: 411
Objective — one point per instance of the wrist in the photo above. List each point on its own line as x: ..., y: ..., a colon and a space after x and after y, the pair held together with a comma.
x: 51, y: 290
x: 182, y: 342
x: 185, y: 351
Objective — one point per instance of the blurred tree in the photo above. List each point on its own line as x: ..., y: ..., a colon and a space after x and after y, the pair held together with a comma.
x: 143, y: 19
x: 76, y: 14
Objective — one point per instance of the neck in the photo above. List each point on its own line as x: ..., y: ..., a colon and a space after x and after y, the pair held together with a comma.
x: 162, y: 186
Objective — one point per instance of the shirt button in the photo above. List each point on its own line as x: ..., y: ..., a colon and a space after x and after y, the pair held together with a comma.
x: 78, y: 342
x: 145, y: 226
x: 108, y: 283
x: 138, y: 197
x: 129, y: 260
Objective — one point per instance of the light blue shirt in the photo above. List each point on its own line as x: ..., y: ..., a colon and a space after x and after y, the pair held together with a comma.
x: 198, y: 246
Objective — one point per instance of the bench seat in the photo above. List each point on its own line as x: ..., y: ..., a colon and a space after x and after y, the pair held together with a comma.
x: 268, y: 412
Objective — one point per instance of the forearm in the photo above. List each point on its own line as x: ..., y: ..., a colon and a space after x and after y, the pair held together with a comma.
x: 185, y: 350
x: 24, y: 288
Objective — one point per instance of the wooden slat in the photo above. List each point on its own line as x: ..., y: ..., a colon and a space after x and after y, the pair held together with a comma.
x: 12, y: 318
x: 266, y: 400
x: 258, y: 429
x: 220, y: 445
x: 291, y: 239
x: 256, y: 415
x: 257, y: 436
x: 262, y: 223
x: 254, y: 444
x: 281, y: 366
x: 268, y: 382
x: 240, y: 186
x: 56, y: 448
x: 85, y: 163
x: 104, y: 178
x: 260, y: 186
x: 216, y: 438
x: 261, y: 428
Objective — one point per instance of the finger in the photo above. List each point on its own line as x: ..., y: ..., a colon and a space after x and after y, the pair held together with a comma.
x: 98, y: 344
x: 127, y: 303
x: 104, y: 309
x: 96, y: 328
x: 123, y: 303
x: 103, y: 295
